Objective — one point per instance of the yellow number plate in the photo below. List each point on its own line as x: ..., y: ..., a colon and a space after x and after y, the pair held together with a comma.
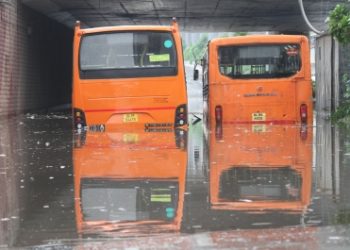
x: 258, y: 117
x: 130, y: 138
x: 130, y: 118
x: 259, y: 128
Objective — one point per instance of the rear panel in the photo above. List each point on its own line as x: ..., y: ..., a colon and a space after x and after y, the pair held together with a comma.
x: 259, y: 79
x: 129, y: 76
x: 261, y: 167
x: 129, y: 183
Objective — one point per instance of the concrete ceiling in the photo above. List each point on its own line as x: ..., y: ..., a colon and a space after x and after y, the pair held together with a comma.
x: 193, y: 15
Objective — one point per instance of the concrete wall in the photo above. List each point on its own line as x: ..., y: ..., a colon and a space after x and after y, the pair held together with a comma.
x: 8, y: 22
x: 332, y: 74
x: 327, y: 156
x: 10, y: 184
x: 35, y: 60
x: 327, y: 74
x: 331, y: 173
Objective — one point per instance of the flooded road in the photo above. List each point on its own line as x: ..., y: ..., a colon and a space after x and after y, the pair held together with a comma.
x: 246, y: 186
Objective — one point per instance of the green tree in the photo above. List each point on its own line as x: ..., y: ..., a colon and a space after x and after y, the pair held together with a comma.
x: 339, y: 27
x: 184, y: 45
x: 339, y: 23
x: 196, y: 51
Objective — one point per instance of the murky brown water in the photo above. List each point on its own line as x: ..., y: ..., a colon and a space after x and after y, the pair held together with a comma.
x: 179, y: 189
x: 246, y: 186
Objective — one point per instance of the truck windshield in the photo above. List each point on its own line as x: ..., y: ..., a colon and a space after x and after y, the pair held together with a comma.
x: 131, y: 200
x: 127, y: 54
x: 260, y: 61
x: 258, y: 184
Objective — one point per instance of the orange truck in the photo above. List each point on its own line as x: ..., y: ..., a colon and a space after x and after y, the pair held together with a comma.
x: 128, y: 76
x: 259, y: 167
x: 129, y: 183
x: 258, y: 79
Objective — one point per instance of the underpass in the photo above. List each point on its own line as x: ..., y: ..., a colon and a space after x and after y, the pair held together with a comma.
x: 37, y: 36
x: 37, y: 205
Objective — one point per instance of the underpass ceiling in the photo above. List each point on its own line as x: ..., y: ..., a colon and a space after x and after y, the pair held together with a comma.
x: 192, y: 15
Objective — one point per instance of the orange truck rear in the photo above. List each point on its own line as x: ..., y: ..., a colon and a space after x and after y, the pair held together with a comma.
x: 129, y: 183
x: 258, y: 79
x: 128, y: 76
x: 259, y: 167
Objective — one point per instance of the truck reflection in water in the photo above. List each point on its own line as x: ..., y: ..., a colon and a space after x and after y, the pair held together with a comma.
x: 129, y: 184
x: 261, y: 171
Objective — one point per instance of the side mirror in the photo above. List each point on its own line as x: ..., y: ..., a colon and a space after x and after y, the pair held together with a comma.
x: 195, y: 74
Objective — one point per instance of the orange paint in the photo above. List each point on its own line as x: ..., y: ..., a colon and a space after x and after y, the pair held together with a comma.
x: 258, y: 79
x: 128, y: 71
x: 264, y: 167
x: 129, y: 168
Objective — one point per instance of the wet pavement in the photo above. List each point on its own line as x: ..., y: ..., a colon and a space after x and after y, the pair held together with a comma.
x: 242, y: 187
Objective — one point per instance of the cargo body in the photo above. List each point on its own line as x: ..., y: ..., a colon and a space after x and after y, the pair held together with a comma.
x: 128, y: 76
x: 258, y: 79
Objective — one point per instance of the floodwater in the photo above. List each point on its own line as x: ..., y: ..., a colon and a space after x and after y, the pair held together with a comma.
x: 241, y: 187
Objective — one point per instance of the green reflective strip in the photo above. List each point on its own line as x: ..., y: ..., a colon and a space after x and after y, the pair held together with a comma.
x: 161, y: 198
x: 159, y: 58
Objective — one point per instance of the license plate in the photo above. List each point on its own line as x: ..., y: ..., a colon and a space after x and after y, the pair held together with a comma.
x: 259, y: 128
x: 130, y: 118
x: 130, y: 138
x: 258, y: 117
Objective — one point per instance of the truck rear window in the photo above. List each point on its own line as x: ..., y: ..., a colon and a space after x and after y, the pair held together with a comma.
x: 127, y: 54
x: 260, y: 61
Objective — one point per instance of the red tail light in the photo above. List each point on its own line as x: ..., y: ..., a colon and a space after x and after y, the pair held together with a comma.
x: 218, y: 114
x: 79, y: 119
x: 79, y: 139
x: 181, y: 138
x: 218, y: 132
x: 303, y: 132
x: 181, y: 115
x: 303, y: 113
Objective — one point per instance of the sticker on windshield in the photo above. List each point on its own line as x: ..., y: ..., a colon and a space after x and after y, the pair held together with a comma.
x: 292, y: 52
x: 168, y: 44
x: 159, y: 58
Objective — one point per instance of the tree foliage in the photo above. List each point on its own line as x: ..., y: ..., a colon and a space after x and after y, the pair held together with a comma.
x: 196, y: 51
x: 339, y: 23
x: 339, y: 26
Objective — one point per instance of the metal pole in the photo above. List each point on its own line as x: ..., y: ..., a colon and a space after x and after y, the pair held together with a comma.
x: 301, y: 5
